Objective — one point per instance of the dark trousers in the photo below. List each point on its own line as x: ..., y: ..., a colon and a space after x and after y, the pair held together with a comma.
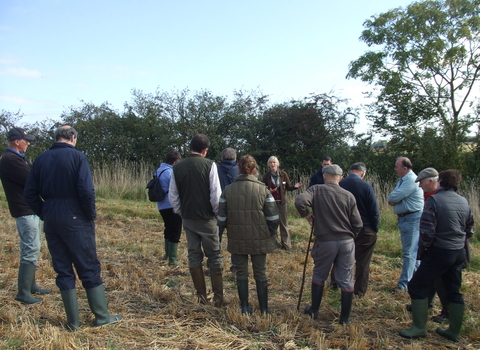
x: 364, y: 245
x: 439, y: 263
x: 173, y: 225
x: 77, y: 248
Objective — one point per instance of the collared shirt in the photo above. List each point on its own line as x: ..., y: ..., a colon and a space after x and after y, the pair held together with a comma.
x: 407, y: 194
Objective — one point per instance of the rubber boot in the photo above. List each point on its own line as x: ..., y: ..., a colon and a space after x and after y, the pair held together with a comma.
x: 242, y: 287
x: 70, y: 303
x: 165, y: 256
x: 36, y: 289
x: 346, y: 302
x: 172, y: 254
x: 420, y: 317
x: 317, y: 294
x: 217, y: 287
x: 26, y: 276
x: 98, y: 305
x: 262, y: 294
x: 456, y: 312
x: 198, y: 279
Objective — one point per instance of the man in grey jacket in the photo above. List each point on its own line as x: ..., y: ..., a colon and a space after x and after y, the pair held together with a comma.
x: 337, y: 223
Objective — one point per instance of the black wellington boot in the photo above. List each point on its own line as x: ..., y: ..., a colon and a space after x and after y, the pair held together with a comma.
x: 242, y: 287
x: 262, y: 293
x: 317, y: 294
x: 346, y: 301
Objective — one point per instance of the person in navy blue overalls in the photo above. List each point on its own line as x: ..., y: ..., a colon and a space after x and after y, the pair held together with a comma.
x: 60, y: 191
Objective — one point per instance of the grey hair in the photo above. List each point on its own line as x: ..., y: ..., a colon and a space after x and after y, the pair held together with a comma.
x: 361, y: 167
x: 273, y: 158
x: 229, y: 153
x: 65, y: 132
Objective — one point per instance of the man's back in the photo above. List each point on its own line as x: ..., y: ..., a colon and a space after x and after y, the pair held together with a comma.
x: 62, y: 178
x: 366, y: 201
x: 193, y: 186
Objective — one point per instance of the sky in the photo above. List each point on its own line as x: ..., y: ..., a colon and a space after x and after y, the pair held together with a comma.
x: 56, y: 53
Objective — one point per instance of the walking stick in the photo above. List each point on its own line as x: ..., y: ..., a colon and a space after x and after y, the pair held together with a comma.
x: 304, y: 269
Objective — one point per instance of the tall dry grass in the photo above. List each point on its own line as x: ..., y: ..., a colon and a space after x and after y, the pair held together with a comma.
x: 161, y: 312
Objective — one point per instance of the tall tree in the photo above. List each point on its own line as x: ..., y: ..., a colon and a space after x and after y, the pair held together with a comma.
x: 426, y: 70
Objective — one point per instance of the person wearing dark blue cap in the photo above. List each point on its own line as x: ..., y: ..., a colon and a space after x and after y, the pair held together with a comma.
x: 14, y: 170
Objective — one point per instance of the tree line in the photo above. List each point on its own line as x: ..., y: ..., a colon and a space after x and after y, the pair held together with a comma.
x: 424, y: 65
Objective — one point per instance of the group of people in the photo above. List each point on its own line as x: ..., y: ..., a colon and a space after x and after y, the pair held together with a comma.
x: 207, y: 200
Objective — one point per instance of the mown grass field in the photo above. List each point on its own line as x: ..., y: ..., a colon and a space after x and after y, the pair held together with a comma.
x: 161, y: 312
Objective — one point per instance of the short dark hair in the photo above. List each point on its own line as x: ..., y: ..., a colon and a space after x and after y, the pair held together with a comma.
x: 172, y: 156
x: 328, y: 158
x: 199, y: 143
x: 229, y: 153
x: 361, y: 167
x: 65, y: 132
x: 450, y: 179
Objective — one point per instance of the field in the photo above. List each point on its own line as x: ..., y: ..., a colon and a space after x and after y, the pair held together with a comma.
x: 160, y: 310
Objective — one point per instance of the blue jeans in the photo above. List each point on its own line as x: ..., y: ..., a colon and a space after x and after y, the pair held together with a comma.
x: 409, y: 232
x: 28, y: 228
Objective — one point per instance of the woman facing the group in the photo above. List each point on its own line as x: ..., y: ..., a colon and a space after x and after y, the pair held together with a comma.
x: 278, y: 184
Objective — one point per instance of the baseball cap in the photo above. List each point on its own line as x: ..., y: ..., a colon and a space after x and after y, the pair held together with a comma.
x: 19, y: 134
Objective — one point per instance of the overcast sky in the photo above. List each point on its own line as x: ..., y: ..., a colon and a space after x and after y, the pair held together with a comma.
x: 54, y: 53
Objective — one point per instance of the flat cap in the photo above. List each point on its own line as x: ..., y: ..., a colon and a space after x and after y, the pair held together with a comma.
x: 333, y: 169
x: 426, y: 173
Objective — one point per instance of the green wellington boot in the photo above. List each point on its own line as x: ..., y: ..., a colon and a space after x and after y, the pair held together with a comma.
x: 26, y: 277
x: 172, y: 254
x: 420, y: 317
x: 165, y: 256
x: 98, y: 305
x: 456, y: 312
x: 70, y: 303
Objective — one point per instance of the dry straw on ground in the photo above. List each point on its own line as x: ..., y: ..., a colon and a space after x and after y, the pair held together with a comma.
x: 160, y: 310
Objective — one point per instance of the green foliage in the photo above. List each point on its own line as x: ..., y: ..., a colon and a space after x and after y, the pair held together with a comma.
x: 426, y: 68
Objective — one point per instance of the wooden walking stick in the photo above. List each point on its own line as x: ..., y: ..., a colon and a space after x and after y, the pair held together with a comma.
x: 304, y: 269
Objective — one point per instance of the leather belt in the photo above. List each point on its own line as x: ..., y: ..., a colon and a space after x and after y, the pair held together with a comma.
x: 407, y: 213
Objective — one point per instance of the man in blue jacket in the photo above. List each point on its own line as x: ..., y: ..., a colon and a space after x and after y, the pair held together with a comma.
x: 60, y: 191
x: 368, y: 207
